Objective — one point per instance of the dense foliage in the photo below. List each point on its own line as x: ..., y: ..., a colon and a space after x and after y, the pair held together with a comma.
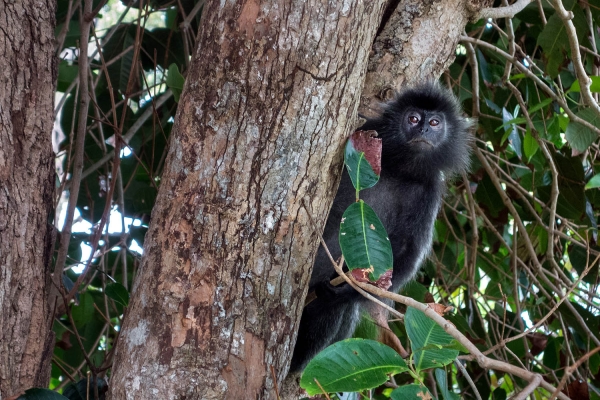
x: 515, y: 249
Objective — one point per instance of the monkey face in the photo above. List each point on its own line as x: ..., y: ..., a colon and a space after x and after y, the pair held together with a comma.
x: 423, y: 133
x: 423, y: 130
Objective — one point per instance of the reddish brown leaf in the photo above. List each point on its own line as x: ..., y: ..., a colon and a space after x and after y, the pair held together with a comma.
x: 538, y: 342
x: 368, y: 143
x: 577, y: 390
x: 362, y: 275
x: 440, y: 309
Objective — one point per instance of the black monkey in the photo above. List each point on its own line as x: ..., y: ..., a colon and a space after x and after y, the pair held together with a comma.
x: 425, y: 142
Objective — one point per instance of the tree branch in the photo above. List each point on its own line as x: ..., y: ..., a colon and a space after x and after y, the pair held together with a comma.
x: 584, y: 80
x: 502, y: 12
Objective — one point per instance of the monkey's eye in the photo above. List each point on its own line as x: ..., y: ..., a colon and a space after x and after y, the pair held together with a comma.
x: 434, y: 122
x: 413, y: 120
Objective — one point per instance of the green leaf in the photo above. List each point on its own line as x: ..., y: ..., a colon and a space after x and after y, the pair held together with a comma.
x: 167, y: 51
x: 118, y: 293
x: 594, y: 88
x: 351, y: 365
x: 483, y: 67
x: 595, y: 364
x: 570, y: 168
x: 442, y: 382
x: 540, y: 105
x: 84, y: 311
x: 571, y: 199
x: 119, y: 50
x: 412, y: 391
x: 175, y: 81
x: 362, y: 173
x: 429, y: 341
x: 594, y: 182
x: 553, y: 41
x: 508, y: 123
x: 587, y: 318
x: 579, y: 136
x: 530, y: 145
x: 580, y: 260
x: 415, y: 290
x: 67, y: 73
x: 487, y: 194
x: 364, y: 241
x: 551, y: 130
x: 551, y: 358
x: 41, y: 394
x: 511, y: 131
x: 73, y: 33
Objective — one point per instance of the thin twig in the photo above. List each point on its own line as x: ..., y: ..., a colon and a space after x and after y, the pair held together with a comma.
x: 465, y: 373
x: 84, y: 96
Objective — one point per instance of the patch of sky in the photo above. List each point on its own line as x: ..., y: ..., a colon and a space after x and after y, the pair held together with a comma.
x: 114, y: 224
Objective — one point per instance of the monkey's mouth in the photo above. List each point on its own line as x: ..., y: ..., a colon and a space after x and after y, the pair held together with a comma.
x: 421, y: 141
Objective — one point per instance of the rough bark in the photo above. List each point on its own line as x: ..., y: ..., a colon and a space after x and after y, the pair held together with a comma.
x: 417, y: 41
x: 27, y: 69
x: 271, y: 93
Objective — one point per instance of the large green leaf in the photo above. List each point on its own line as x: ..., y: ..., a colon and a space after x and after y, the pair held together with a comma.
x: 432, y: 346
x: 571, y: 199
x: 580, y: 260
x: 551, y: 358
x: 84, y: 311
x: 118, y: 293
x: 587, y: 318
x: 351, y: 365
x: 553, y: 41
x: 581, y: 137
x: 118, y: 51
x: 364, y: 241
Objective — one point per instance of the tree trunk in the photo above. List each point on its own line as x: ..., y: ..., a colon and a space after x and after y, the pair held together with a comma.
x: 270, y: 95
x: 27, y: 77
x: 417, y: 41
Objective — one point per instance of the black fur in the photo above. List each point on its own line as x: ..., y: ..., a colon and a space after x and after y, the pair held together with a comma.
x: 417, y: 160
